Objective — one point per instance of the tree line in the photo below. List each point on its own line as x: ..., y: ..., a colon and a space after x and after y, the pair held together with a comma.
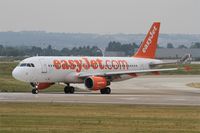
x: 128, y: 49
x: 75, y: 51
x: 49, y: 51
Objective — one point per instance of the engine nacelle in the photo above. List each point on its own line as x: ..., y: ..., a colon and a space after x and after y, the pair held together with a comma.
x: 41, y: 86
x: 96, y: 83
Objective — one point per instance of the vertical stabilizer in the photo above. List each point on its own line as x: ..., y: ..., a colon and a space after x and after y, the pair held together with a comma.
x: 148, y: 47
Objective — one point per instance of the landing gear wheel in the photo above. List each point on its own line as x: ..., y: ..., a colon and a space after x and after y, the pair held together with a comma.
x: 106, y: 90
x: 102, y: 91
x: 69, y: 90
x: 66, y: 90
x: 34, y: 91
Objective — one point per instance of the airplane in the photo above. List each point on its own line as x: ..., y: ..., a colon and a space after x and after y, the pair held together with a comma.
x: 96, y: 73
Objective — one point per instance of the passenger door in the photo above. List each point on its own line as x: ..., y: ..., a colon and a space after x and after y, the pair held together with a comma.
x: 43, y: 66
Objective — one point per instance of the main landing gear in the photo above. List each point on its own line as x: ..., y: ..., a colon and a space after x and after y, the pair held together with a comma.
x: 106, y: 90
x: 69, y: 89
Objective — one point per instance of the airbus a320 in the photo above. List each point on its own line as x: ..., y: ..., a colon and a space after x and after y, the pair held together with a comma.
x: 97, y: 73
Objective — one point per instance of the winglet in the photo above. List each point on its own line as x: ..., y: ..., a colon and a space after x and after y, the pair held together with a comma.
x: 148, y: 48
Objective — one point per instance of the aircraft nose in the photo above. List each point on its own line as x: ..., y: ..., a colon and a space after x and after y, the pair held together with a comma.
x: 16, y: 74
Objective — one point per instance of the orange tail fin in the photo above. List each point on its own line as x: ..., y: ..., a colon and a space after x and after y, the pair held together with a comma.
x: 148, y: 48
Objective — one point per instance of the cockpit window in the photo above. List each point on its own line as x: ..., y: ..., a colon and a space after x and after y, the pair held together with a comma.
x: 23, y: 65
x: 32, y: 65
x: 27, y: 65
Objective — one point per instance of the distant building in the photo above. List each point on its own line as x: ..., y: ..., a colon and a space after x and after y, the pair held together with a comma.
x: 174, y: 53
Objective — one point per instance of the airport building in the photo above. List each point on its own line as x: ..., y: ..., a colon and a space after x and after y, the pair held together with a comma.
x: 175, y: 53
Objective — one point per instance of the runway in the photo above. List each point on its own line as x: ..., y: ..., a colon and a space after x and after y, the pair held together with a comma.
x: 151, y: 90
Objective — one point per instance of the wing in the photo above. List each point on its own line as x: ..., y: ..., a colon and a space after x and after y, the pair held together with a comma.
x: 84, y: 74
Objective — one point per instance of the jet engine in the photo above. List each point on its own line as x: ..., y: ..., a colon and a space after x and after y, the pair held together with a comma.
x: 96, y: 83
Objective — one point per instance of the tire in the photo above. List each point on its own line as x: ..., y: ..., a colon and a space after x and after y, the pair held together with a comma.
x: 107, y: 90
x: 67, y: 89
x: 102, y: 91
x: 71, y: 90
x: 34, y: 91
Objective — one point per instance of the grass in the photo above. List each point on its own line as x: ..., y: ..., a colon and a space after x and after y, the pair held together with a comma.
x: 189, y: 69
x: 9, y: 84
x: 195, y: 85
x: 100, y: 118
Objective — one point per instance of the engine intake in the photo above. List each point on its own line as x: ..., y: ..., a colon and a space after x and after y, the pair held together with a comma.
x: 96, y: 83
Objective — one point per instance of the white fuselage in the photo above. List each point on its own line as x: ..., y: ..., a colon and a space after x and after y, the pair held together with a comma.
x: 67, y: 69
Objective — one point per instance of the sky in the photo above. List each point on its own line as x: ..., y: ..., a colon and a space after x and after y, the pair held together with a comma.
x: 100, y: 16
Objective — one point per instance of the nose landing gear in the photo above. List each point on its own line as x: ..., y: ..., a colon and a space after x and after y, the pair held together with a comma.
x: 34, y: 91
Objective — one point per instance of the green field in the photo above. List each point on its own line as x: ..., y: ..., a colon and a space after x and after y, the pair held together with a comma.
x: 194, y: 69
x: 100, y: 118
x: 9, y: 84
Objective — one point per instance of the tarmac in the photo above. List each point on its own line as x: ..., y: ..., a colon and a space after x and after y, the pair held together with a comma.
x: 146, y: 90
